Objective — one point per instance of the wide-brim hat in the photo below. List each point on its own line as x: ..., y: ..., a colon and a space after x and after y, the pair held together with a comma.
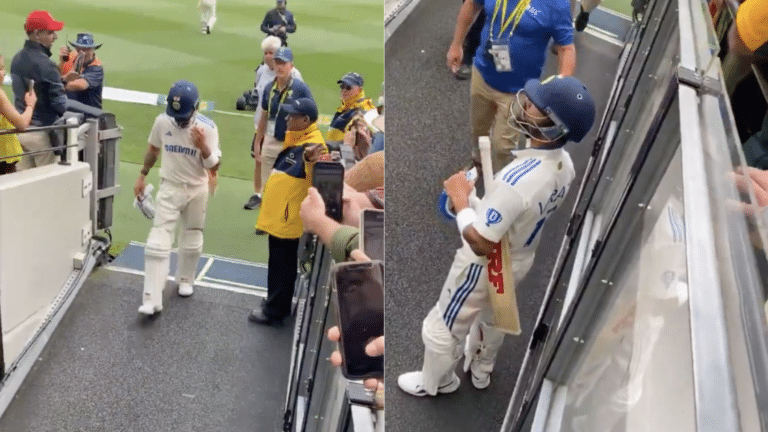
x: 85, y: 40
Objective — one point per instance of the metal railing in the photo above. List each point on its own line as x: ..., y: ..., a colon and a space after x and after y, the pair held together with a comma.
x: 41, y: 129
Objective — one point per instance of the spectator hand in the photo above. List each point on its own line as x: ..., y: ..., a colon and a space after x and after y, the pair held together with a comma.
x: 312, y: 153
x: 359, y: 256
x: 30, y: 97
x: 458, y: 189
x: 64, y: 53
x: 743, y: 177
x: 374, y: 349
x: 454, y: 57
x: 70, y: 76
x: 312, y: 211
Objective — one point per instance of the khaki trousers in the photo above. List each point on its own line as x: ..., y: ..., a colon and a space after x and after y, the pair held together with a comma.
x: 269, y: 151
x: 489, y: 112
x: 35, y: 141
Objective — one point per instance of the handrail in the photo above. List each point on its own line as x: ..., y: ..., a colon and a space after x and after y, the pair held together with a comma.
x: 38, y: 152
x: 38, y: 129
x: 41, y: 129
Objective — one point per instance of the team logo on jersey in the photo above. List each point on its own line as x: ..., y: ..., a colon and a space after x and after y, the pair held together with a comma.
x: 492, y: 216
x: 176, y: 104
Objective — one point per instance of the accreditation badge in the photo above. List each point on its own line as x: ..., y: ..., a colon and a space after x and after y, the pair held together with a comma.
x: 499, y: 50
x: 271, y: 127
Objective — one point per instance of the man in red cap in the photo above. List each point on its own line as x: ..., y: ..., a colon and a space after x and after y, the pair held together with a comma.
x: 32, y: 63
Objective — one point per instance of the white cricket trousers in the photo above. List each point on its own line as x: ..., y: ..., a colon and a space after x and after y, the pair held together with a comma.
x: 207, y: 13
x: 463, y: 309
x: 175, y: 202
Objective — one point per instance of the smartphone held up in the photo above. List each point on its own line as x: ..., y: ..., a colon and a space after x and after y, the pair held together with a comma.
x: 360, y: 313
x: 328, y: 179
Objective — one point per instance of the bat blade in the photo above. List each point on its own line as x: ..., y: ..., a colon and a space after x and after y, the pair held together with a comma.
x: 501, y: 283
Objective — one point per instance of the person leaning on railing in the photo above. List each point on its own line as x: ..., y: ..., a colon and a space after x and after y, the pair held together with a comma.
x: 748, y: 37
x: 9, y: 119
x: 32, y: 62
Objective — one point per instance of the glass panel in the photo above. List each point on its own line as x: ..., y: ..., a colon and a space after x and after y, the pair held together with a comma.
x: 741, y: 240
x: 640, y: 114
x: 636, y: 370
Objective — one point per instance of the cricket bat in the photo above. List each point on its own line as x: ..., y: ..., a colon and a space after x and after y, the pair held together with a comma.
x: 501, y: 280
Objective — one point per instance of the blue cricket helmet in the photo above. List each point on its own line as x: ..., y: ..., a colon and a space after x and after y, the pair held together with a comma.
x: 568, y: 99
x: 183, y: 99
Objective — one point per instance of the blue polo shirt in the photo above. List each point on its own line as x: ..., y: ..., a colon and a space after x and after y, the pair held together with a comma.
x: 271, y: 100
x: 544, y: 19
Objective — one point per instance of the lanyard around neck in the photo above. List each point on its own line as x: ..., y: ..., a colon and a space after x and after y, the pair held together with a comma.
x: 516, y: 16
x: 283, y: 95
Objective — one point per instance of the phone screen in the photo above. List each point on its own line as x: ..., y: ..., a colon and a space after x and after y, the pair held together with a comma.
x: 328, y: 179
x: 360, y: 297
x: 372, y: 233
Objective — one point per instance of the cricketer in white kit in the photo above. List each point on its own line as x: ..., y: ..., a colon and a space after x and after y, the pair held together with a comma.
x: 207, y: 15
x: 526, y: 192
x: 189, y: 143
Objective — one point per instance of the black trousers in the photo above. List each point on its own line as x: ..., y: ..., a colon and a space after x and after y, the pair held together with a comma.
x: 281, y: 276
x: 472, y: 40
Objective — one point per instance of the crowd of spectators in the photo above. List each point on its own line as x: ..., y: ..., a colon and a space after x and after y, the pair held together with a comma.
x: 43, y: 91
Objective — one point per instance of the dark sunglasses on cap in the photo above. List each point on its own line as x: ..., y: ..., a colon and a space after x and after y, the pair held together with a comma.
x: 345, y: 87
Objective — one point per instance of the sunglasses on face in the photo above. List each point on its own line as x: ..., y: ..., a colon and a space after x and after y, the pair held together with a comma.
x: 345, y: 87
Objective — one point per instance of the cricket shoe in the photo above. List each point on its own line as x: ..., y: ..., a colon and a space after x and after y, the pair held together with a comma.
x: 480, y: 380
x: 185, y: 289
x: 413, y: 384
x: 149, y: 309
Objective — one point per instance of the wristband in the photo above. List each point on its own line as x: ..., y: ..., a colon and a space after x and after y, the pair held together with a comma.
x: 465, y: 218
x: 211, y: 160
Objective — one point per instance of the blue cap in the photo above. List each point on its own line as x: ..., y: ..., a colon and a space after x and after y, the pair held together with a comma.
x: 285, y: 54
x: 568, y: 99
x: 182, y: 100
x: 85, y: 40
x: 351, y: 79
x: 303, y: 106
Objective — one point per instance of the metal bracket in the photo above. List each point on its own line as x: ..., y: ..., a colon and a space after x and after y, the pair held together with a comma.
x: 701, y: 83
x: 110, y: 134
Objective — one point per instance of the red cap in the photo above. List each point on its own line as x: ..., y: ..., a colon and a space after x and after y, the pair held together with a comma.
x: 42, y: 20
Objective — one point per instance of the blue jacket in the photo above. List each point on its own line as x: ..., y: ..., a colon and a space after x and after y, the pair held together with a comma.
x: 276, y: 18
x: 271, y: 100
x: 33, y: 62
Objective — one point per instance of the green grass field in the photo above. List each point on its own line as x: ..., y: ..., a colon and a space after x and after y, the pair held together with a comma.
x: 150, y: 44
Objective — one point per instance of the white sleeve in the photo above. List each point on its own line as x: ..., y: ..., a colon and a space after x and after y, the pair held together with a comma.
x: 155, y: 137
x: 212, y: 135
x: 497, y: 211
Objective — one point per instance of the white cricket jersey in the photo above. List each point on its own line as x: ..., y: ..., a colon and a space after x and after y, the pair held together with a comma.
x: 264, y: 76
x: 182, y: 162
x: 526, y: 192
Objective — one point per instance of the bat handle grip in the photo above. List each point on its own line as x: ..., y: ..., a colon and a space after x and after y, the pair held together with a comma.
x: 484, y: 143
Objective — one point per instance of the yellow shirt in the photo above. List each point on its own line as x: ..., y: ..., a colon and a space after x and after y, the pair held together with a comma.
x: 752, y: 23
x: 287, y: 186
x: 9, y: 144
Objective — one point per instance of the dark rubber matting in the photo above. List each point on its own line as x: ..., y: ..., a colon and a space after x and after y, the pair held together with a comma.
x: 198, y: 366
